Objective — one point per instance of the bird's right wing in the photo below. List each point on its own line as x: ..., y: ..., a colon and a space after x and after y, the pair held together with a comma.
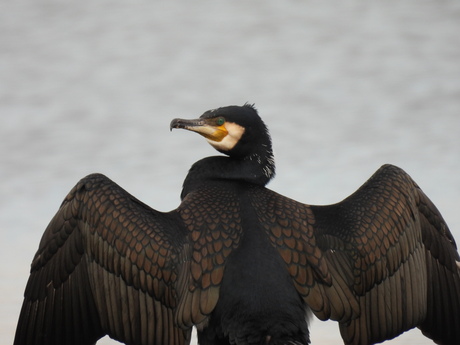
x: 380, y: 262
x: 106, y: 264
x: 442, y: 322
x: 390, y: 238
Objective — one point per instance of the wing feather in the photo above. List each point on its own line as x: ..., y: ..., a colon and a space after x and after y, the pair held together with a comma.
x: 290, y: 226
x: 380, y: 262
x: 403, y: 257
x: 443, y: 298
x: 106, y: 264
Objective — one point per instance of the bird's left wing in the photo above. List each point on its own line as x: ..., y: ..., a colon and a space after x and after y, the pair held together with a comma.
x: 106, y: 264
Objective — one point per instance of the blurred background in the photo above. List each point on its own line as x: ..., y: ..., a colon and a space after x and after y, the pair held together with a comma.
x: 344, y: 86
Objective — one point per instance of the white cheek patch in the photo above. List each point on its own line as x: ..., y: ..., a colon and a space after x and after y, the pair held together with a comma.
x: 235, y: 132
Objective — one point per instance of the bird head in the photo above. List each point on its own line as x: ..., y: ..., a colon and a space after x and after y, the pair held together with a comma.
x: 237, y: 131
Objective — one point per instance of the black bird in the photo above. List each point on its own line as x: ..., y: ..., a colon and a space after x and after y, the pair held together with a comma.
x: 240, y: 262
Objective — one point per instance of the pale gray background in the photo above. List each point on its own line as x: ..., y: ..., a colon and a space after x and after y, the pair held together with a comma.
x: 345, y: 86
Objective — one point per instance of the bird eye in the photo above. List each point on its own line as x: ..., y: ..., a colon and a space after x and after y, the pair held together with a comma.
x: 220, y: 121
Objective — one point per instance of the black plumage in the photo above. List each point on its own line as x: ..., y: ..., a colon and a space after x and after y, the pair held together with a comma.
x: 240, y: 262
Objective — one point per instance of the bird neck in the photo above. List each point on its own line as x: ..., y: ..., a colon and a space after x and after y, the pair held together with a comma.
x: 255, y: 169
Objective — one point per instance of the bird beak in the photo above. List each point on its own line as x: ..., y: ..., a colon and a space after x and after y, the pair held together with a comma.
x: 205, y: 127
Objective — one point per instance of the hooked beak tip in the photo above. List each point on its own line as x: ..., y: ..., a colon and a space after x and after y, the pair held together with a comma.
x: 175, y: 123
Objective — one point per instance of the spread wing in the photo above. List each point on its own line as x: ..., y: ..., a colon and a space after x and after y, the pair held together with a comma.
x: 107, y: 264
x: 380, y: 262
x: 403, y: 260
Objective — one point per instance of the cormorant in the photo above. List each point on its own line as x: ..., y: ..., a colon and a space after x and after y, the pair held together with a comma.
x: 243, y: 264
